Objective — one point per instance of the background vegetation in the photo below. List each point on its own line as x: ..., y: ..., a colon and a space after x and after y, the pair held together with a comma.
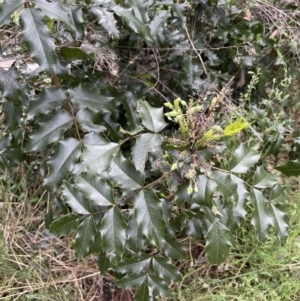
x: 151, y: 136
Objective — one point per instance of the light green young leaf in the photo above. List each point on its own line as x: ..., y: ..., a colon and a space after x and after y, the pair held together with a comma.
x: 38, y: 39
x: 50, y: 131
x: 152, y: 118
x: 164, y: 268
x: 85, y: 236
x: 243, y: 158
x: 95, y: 189
x: 144, y: 145
x: 235, y: 127
x: 290, y: 169
x: 136, y: 265
x: 142, y: 293
x: 123, y: 173
x: 217, y: 243
x: 64, y: 225
x: 47, y: 100
x: 8, y: 8
x: 149, y: 216
x: 97, y: 158
x: 113, y: 233
x: 261, y: 218
x: 263, y: 179
x: 75, y: 199
x: 67, y: 154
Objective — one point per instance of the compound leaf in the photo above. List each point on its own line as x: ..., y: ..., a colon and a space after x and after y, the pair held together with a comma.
x: 50, y: 131
x: 149, y: 216
x: 164, y: 268
x: 136, y: 265
x: 64, y: 225
x: 158, y: 286
x: 113, y: 233
x: 75, y: 199
x: 142, y: 293
x: 152, y: 118
x: 85, y: 236
x: 290, y: 169
x: 130, y: 281
x: 263, y: 179
x: 67, y: 154
x: 217, y: 243
x: 144, y: 145
x: 243, y: 158
x: 95, y: 189
x: 261, y: 218
x: 173, y: 248
x: 38, y: 40
x: 8, y: 8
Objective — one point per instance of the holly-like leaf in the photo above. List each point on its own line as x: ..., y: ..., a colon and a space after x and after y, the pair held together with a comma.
x: 164, y: 268
x: 133, y: 23
x: 235, y: 127
x: 173, y: 248
x: 149, y: 216
x: 290, y: 169
x: 65, y: 225
x: 50, y: 131
x: 47, y: 100
x: 261, y: 218
x: 75, y: 199
x: 263, y: 179
x: 85, y: 119
x: 277, y: 195
x: 107, y: 20
x: 206, y: 190
x: 158, y: 286
x: 140, y: 9
x: 95, y: 189
x: 8, y: 8
x: 218, y: 243
x: 97, y: 158
x: 130, y: 281
x: 67, y: 154
x: 225, y: 185
x: 85, y: 236
x: 123, y: 173
x: 136, y: 265
x: 243, y: 158
x: 142, y: 293
x: 144, y: 145
x: 157, y: 23
x: 136, y: 239
x: 88, y: 97
x: 113, y: 233
x: 103, y: 263
x: 38, y: 39
x: 152, y: 118
x: 279, y: 223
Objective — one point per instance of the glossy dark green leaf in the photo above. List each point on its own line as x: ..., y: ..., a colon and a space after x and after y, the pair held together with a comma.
x: 225, y: 185
x: 75, y: 53
x: 8, y: 8
x: 290, y: 169
x: 47, y: 100
x: 95, y: 189
x: 86, y: 121
x: 123, y: 173
x: 243, y: 158
x: 113, y: 233
x: 158, y: 286
x: 103, y: 263
x: 88, y: 97
x: 179, y: 10
x: 148, y: 209
x: 164, y: 268
x: 76, y: 17
x: 264, y: 179
x: 130, y: 281
x: 206, y: 190
x: 136, y: 265
x: 174, y: 249
x: 218, y: 243
x: 97, y: 158
x: 133, y: 23
x: 64, y: 225
x: 67, y: 154
x: 144, y: 145
x: 136, y: 239
x: 38, y: 39
x: 75, y: 199
x: 158, y: 21
x: 278, y: 195
x: 50, y: 131
x: 85, y: 236
x: 261, y: 218
x: 107, y: 20
x: 152, y: 118
x: 142, y: 293
x: 279, y: 223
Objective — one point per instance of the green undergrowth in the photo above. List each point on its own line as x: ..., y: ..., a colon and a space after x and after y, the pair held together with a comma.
x: 263, y: 272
